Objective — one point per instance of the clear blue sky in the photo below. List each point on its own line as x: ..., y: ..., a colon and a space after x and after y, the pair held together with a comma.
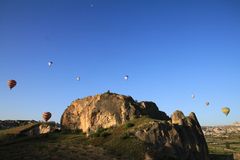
x: 169, y: 49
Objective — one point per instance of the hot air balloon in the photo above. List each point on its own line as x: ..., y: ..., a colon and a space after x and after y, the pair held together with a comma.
x: 126, y: 77
x: 226, y: 110
x: 50, y: 63
x: 12, y: 83
x: 207, y: 103
x: 78, y: 78
x: 46, y: 116
x: 193, y: 96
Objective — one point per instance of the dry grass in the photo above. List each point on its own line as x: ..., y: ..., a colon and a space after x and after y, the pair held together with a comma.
x: 73, y: 145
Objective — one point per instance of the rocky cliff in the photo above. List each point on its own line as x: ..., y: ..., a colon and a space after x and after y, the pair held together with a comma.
x: 179, y: 137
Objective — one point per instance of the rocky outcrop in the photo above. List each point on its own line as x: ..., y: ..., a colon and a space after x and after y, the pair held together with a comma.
x: 184, y: 141
x: 177, y: 117
x: 40, y: 128
x: 106, y: 110
x: 178, y: 137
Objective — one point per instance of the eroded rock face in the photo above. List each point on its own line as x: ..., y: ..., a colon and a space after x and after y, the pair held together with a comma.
x: 106, y: 110
x: 183, y: 141
x: 177, y: 117
x: 178, y: 137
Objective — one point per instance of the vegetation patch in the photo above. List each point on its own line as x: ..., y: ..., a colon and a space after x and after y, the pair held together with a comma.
x: 125, y: 135
x: 100, y: 132
x: 129, y: 125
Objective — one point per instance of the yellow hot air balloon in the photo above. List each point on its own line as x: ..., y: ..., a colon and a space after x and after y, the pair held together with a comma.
x: 226, y: 110
x: 46, y: 116
x: 12, y: 83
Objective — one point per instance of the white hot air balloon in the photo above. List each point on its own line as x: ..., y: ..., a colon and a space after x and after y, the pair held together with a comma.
x: 50, y: 63
x: 78, y: 78
x: 126, y: 77
x: 193, y: 96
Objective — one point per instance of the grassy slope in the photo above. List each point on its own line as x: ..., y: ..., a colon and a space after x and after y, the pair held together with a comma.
x: 7, y: 135
x: 113, y: 143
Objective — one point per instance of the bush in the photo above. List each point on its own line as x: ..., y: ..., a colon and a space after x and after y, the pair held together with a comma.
x: 104, y: 134
x: 69, y: 131
x: 227, y: 145
x: 100, y: 132
x: 125, y: 135
x: 129, y: 125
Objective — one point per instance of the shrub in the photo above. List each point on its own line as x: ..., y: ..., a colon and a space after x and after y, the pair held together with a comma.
x: 227, y: 145
x: 104, y: 134
x: 100, y: 132
x: 125, y: 135
x: 129, y: 125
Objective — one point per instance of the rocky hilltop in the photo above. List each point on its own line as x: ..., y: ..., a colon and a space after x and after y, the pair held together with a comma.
x: 179, y: 137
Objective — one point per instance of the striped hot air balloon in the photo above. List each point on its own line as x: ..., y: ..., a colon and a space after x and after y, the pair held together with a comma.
x: 46, y: 116
x: 12, y: 83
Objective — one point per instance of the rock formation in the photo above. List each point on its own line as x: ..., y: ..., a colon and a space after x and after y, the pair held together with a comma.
x: 178, y: 137
x: 39, y: 128
x: 183, y: 140
x: 106, y: 110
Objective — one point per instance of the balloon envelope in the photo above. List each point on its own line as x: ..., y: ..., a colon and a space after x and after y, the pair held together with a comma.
x: 78, y: 78
x: 126, y: 77
x: 12, y: 83
x: 50, y: 63
x: 207, y: 103
x: 193, y: 96
x: 226, y: 110
x: 46, y: 116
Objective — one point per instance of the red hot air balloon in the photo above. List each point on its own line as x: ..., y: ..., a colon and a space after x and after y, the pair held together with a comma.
x: 46, y: 116
x: 12, y: 83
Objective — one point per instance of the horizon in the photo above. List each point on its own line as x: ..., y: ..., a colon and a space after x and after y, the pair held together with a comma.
x: 169, y: 49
